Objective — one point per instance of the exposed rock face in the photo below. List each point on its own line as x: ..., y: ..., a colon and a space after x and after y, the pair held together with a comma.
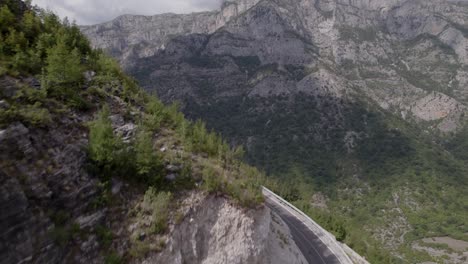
x: 215, y: 231
x: 40, y: 176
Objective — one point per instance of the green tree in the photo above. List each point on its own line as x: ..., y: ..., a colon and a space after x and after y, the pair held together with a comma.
x: 31, y: 25
x: 103, y: 144
x: 7, y: 19
x: 148, y: 163
x: 64, y: 69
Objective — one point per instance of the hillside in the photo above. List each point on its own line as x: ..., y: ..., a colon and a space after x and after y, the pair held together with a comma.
x: 95, y: 170
x: 357, y: 107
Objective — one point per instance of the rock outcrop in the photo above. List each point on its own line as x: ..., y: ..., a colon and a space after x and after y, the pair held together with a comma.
x: 215, y: 231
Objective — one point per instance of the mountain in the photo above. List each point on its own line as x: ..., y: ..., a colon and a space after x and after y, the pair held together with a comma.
x: 95, y: 170
x: 357, y: 107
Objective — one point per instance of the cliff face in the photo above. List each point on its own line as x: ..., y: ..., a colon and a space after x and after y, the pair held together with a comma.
x: 130, y: 37
x: 214, y: 231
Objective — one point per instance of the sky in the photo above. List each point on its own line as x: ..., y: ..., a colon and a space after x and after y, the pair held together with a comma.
x: 87, y: 12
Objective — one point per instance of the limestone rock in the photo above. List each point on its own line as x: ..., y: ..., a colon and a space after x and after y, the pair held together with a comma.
x: 215, y: 231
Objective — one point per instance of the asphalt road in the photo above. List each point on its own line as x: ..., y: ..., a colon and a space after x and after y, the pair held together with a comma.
x: 314, y: 251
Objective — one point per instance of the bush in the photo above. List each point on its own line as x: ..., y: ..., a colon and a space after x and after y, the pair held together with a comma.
x: 104, y: 235
x: 158, y: 205
x: 148, y: 163
x: 61, y: 235
x: 247, y: 193
x: 112, y: 258
x: 155, y: 114
x: 200, y: 140
x: 35, y: 115
x: 139, y: 249
x: 212, y: 182
x: 104, y: 146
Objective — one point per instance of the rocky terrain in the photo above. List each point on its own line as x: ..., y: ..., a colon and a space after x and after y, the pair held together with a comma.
x: 52, y: 208
x: 352, y: 95
x: 217, y: 232
x: 95, y: 170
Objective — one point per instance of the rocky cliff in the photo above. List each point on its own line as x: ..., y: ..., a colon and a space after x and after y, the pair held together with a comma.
x: 353, y: 94
x: 131, y: 37
x: 214, y: 231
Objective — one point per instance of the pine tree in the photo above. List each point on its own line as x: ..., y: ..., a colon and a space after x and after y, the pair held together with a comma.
x: 64, y: 70
x: 7, y: 19
x: 103, y: 144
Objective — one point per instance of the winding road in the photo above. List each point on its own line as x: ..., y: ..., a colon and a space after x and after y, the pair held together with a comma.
x: 309, y: 239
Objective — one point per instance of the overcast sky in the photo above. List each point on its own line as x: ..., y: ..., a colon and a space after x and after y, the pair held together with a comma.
x: 86, y: 12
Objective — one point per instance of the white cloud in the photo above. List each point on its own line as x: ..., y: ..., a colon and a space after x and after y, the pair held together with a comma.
x: 86, y: 12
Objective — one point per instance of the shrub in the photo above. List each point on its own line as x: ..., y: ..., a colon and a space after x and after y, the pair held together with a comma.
x: 174, y: 117
x: 158, y: 205
x: 148, y: 163
x: 245, y: 192
x: 155, y: 114
x: 104, y: 235
x: 139, y: 249
x: 200, y: 140
x: 61, y: 235
x: 212, y: 182
x: 35, y: 115
x: 104, y: 146
x: 112, y: 258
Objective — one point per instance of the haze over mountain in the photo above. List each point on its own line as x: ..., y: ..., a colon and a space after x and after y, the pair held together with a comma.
x: 358, y: 107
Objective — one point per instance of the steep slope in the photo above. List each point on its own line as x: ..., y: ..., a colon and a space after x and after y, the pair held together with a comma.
x: 360, y: 97
x: 95, y: 170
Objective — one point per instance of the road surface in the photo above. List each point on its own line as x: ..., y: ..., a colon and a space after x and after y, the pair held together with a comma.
x: 313, y: 249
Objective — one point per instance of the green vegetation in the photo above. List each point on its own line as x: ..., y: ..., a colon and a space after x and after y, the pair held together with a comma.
x: 112, y: 258
x: 103, y: 145
x: 104, y: 235
x: 157, y: 204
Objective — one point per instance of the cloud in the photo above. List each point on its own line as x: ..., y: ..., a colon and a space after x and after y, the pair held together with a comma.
x: 86, y: 12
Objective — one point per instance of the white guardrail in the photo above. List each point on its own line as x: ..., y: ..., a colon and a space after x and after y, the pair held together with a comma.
x: 341, y: 251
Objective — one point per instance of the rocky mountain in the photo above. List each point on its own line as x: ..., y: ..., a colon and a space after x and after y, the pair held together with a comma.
x: 95, y: 170
x: 362, y: 101
x: 417, y: 49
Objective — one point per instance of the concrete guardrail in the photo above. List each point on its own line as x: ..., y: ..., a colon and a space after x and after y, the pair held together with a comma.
x: 340, y: 250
